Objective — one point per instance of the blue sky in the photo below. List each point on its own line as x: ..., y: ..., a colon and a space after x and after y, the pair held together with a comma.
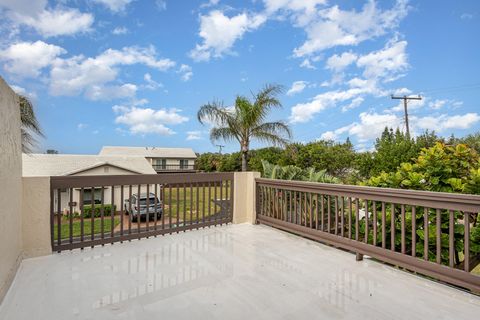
x: 131, y: 72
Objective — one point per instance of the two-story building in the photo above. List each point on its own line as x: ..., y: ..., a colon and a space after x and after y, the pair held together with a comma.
x: 161, y: 159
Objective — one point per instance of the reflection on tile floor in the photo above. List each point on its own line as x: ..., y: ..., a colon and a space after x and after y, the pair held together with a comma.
x: 228, y: 272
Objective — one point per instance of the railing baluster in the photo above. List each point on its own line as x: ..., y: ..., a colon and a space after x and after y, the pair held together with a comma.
x: 425, y: 233
x: 322, y: 221
x: 92, y: 214
x: 336, y: 215
x: 170, y: 208
x: 59, y: 217
x: 102, y: 213
x: 329, y: 213
x: 295, y: 207
x: 357, y: 219
x: 392, y: 227
x: 155, y: 208
x: 122, y: 213
x: 82, y: 213
x: 439, y: 232
x: 184, y: 205
x: 178, y: 208
x: 162, y: 201
x: 414, y: 231
x: 384, y: 226
x: 350, y: 213
x: 203, y: 198
x: 466, y: 241
x: 316, y: 211
x: 311, y: 211
x: 70, y: 204
x: 191, y: 202
x: 197, y: 206
x: 342, y: 218
x: 139, y: 217
x: 130, y: 212
x: 366, y: 221
x: 402, y: 218
x: 451, y: 243
x: 112, y: 212
x: 147, y: 217
x: 375, y: 223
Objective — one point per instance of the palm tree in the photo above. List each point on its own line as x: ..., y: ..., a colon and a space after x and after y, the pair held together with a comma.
x: 30, y: 125
x: 245, y: 121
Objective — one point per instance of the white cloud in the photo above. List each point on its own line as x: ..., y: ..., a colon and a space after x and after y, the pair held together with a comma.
x: 115, y: 5
x: 81, y: 126
x: 194, y: 135
x: 339, y: 62
x: 354, y: 104
x: 297, y: 87
x: 466, y: 16
x: 151, y: 84
x: 186, y: 72
x: 301, y: 11
x: 386, y: 63
x: 27, y: 59
x: 219, y: 33
x: 335, y: 27
x: 306, y: 63
x: 78, y: 74
x: 329, y: 135
x: 120, y: 30
x: 445, y: 122
x: 147, y: 120
x: 55, y: 22
x: 210, y: 3
x: 161, y: 5
x: 110, y: 92
x: 437, y: 104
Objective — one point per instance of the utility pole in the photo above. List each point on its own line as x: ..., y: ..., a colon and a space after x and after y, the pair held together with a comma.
x: 220, y: 147
x: 405, y: 106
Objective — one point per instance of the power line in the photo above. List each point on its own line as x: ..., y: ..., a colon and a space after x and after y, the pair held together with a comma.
x: 405, y: 107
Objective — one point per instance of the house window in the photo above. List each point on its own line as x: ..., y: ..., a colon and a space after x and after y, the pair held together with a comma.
x: 160, y: 164
x: 87, y: 196
x: 183, y: 164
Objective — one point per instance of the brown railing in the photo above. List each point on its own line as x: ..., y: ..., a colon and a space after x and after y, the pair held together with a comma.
x: 135, y: 206
x: 424, y: 232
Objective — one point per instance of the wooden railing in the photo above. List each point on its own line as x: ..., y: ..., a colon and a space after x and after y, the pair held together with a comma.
x: 424, y: 232
x: 135, y: 206
x: 173, y: 167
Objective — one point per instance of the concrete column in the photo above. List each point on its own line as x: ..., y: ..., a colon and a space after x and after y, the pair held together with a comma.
x: 36, y: 216
x: 244, y: 197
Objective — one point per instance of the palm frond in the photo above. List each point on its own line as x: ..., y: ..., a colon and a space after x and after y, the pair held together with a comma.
x: 215, y: 113
x: 225, y: 133
x: 30, y: 125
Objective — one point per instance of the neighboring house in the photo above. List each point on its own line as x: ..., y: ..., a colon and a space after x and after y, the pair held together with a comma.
x: 41, y: 165
x: 161, y: 159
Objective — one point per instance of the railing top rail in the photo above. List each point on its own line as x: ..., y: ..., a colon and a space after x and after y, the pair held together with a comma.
x: 441, y: 200
x: 135, y: 179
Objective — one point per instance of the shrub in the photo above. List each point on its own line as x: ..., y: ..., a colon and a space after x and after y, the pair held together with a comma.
x: 107, y: 210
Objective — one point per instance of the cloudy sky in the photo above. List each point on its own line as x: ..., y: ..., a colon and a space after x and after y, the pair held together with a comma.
x: 134, y: 72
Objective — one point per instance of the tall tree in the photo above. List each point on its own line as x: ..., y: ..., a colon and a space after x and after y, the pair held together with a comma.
x: 246, y: 121
x: 30, y: 126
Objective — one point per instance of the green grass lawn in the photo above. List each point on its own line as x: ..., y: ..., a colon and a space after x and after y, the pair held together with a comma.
x: 87, y: 225
x: 187, y: 200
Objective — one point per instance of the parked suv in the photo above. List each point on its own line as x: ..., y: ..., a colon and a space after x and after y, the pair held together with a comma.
x: 138, y: 206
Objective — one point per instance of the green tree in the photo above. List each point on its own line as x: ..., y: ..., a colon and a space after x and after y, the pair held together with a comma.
x: 247, y: 121
x: 30, y: 126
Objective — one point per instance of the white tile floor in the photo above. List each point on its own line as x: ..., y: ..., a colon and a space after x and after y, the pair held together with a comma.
x: 230, y: 272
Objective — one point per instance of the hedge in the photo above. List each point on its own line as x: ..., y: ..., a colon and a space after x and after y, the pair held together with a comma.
x: 107, y: 210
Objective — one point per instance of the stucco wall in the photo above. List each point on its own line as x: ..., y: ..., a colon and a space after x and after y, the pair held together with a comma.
x: 244, y: 197
x: 36, y: 216
x: 10, y: 187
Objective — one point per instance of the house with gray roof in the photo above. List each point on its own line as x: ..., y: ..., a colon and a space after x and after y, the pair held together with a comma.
x: 161, y: 159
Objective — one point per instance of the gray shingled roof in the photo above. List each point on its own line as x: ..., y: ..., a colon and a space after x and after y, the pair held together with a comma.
x: 150, y: 152
x: 35, y: 165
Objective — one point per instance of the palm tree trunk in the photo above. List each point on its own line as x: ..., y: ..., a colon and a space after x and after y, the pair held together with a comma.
x: 244, y: 161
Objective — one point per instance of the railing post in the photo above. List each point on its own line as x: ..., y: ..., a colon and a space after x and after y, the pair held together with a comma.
x: 244, y: 196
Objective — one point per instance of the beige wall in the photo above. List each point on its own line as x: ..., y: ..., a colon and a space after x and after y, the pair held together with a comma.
x: 10, y: 186
x: 244, y: 197
x: 36, y: 216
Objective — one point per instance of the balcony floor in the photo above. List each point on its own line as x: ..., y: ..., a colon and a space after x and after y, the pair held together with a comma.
x: 228, y: 272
